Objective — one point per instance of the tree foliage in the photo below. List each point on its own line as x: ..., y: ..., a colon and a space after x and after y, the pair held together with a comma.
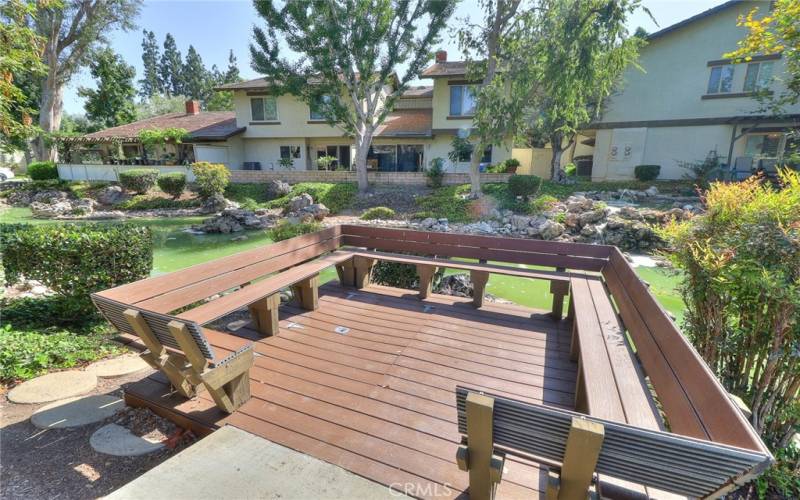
x: 150, y: 84
x: 111, y: 103
x: 778, y: 31
x: 170, y: 68
x: 196, y: 79
x: 160, y: 104
x: 348, y: 53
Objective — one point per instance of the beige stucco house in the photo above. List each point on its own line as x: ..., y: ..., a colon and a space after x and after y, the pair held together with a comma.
x: 689, y: 101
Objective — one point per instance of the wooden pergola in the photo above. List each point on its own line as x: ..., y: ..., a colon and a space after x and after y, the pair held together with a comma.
x: 443, y: 395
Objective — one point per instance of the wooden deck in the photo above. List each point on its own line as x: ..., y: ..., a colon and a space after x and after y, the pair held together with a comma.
x: 378, y: 398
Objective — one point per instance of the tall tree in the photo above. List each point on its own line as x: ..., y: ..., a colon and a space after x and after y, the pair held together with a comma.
x: 223, y: 100
x: 196, y: 78
x: 170, y: 68
x: 111, y: 103
x: 73, y: 29
x: 150, y: 84
x: 160, y: 104
x: 349, y: 52
x: 232, y: 72
x: 19, y: 65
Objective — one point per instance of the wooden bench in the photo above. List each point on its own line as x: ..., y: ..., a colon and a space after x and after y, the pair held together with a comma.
x: 575, y: 446
x: 356, y: 273
x: 191, y: 362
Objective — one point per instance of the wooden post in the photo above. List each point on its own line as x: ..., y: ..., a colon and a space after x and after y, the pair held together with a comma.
x: 479, y: 280
x: 580, y: 458
x: 265, y: 314
x: 559, y: 289
x: 480, y: 410
x: 363, y: 267
x: 347, y: 273
x: 307, y: 293
x: 425, y: 273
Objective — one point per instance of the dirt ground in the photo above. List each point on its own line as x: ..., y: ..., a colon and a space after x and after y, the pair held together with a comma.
x: 60, y: 463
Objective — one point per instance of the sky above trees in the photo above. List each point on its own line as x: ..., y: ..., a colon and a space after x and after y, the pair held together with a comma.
x: 214, y: 27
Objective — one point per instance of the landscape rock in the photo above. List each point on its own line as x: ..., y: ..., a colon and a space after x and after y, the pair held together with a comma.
x: 276, y: 188
x: 236, y: 220
x: 110, y: 195
x: 317, y: 210
x: 651, y: 191
x: 551, y: 230
x: 457, y: 285
x: 300, y: 202
x: 216, y: 203
x: 59, y: 207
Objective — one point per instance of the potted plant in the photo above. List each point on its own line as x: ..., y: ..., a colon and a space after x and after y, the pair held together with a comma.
x: 511, y: 166
x: 325, y: 162
x: 286, y: 162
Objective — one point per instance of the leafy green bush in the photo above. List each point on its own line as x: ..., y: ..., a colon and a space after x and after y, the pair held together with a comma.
x: 524, y: 185
x: 450, y: 202
x: 703, y: 172
x: 172, y: 183
x: 541, y: 203
x: 75, y: 260
x: 285, y: 229
x: 742, y: 292
x: 508, y: 166
x: 249, y: 195
x: 138, y: 180
x: 378, y: 213
x: 43, y: 170
x: 435, y: 173
x: 646, y: 173
x: 336, y: 197
x: 400, y: 275
x: 571, y: 170
x: 211, y: 178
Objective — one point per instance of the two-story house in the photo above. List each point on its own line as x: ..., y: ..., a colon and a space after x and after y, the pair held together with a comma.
x: 690, y: 101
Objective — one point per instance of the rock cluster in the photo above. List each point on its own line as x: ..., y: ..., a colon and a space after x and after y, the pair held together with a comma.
x: 23, y: 198
x: 277, y: 188
x: 458, y: 285
x: 303, y: 209
x: 60, y: 207
x: 217, y: 203
x: 236, y: 220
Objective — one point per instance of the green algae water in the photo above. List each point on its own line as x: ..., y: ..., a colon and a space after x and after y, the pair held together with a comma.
x: 175, y: 248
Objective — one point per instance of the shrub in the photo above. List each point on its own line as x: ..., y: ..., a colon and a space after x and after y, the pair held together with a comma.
x: 646, y: 173
x: 43, y: 170
x: 75, y: 260
x: 570, y: 169
x: 249, y: 195
x: 211, y: 178
x: 401, y: 275
x: 172, y: 183
x: 378, y: 213
x: 336, y: 197
x: 510, y: 165
x: 138, y: 180
x: 435, y: 173
x: 742, y: 268
x: 285, y: 229
x: 450, y: 202
x: 703, y: 172
x: 541, y: 204
x: 524, y: 185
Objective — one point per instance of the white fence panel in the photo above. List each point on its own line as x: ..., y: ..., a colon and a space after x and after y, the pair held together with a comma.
x: 110, y: 173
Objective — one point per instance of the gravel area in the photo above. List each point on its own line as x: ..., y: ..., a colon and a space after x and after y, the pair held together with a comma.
x: 60, y: 463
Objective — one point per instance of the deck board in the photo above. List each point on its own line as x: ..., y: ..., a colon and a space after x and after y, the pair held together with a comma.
x: 379, y: 400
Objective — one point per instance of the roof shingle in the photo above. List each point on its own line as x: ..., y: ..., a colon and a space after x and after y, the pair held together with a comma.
x: 216, y: 124
x: 407, y: 123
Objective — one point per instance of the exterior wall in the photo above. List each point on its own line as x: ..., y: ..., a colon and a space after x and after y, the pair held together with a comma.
x: 234, y: 147
x: 441, y: 106
x: 268, y: 152
x: 402, y: 178
x: 441, y: 147
x: 294, y: 119
x: 110, y: 173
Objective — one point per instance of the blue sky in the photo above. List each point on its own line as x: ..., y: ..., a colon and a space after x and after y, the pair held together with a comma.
x: 215, y: 27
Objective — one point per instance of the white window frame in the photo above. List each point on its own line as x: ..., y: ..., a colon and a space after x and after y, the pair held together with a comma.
x: 464, y: 89
x: 263, y: 99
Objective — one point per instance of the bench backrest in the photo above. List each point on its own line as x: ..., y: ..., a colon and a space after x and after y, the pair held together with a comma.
x: 669, y: 462
x: 113, y: 312
x: 515, y: 250
x: 693, y: 400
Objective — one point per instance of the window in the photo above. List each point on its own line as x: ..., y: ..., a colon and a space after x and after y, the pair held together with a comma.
x: 721, y: 79
x: 263, y: 109
x: 466, y: 156
x: 290, y: 151
x: 341, y: 153
x: 315, y: 113
x: 758, y: 76
x: 396, y: 158
x: 462, y: 100
x: 760, y: 146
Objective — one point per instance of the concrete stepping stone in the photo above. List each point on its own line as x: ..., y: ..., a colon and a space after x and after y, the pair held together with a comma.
x: 53, y: 387
x: 113, y: 439
x: 118, y: 367
x: 75, y: 412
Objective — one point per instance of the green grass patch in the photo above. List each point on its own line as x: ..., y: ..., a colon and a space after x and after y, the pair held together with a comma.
x: 446, y: 202
x: 149, y: 202
x: 249, y: 196
x: 335, y: 196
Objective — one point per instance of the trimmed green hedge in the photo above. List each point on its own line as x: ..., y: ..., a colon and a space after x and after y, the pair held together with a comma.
x: 172, y: 183
x: 524, y: 185
x: 138, y: 180
x: 378, y: 213
x: 646, y: 173
x: 42, y: 170
x: 75, y: 260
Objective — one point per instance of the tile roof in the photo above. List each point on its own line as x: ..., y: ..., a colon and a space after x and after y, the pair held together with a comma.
x: 407, y: 123
x: 420, y: 92
x: 449, y: 68
x: 213, y: 124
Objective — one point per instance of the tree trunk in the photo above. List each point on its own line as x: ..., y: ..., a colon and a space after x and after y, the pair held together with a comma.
x: 475, y: 170
x: 556, y: 174
x: 51, y: 105
x: 363, y: 142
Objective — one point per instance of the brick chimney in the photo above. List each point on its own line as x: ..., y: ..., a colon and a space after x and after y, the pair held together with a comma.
x: 441, y: 56
x: 192, y: 107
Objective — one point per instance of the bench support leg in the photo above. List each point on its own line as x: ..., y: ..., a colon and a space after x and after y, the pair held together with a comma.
x: 347, y: 273
x: 307, y: 293
x: 229, y: 384
x: 559, y: 289
x: 580, y: 458
x: 479, y: 280
x: 485, y: 468
x: 425, y: 274
x: 363, y: 267
x: 265, y: 314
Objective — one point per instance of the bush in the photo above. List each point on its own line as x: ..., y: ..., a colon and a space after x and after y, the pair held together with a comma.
x: 145, y: 202
x: 742, y: 268
x: 172, y: 183
x: 43, y: 170
x: 450, y: 202
x: 646, y: 173
x: 285, y: 229
x: 400, y: 275
x: 138, y: 180
x: 378, y: 213
x: 570, y: 170
x: 509, y: 166
x: 211, y: 178
x: 75, y: 260
x: 524, y: 185
x: 435, y: 173
x: 336, y: 197
x: 541, y: 203
x: 249, y: 195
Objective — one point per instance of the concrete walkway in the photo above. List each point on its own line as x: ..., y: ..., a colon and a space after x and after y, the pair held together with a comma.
x: 232, y: 463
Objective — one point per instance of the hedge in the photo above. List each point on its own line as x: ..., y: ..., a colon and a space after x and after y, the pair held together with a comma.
x: 172, y: 183
x: 285, y: 230
x: 75, y: 260
x: 378, y: 213
x: 524, y: 185
x: 43, y: 170
x: 646, y: 173
x: 138, y: 180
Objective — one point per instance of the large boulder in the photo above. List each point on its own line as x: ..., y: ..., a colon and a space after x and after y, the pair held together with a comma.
x: 591, y: 217
x: 457, y: 285
x: 62, y: 208
x: 317, y: 210
x: 300, y: 202
x: 551, y: 230
x: 110, y: 195
x: 213, y: 204
x: 235, y: 220
x: 277, y: 188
